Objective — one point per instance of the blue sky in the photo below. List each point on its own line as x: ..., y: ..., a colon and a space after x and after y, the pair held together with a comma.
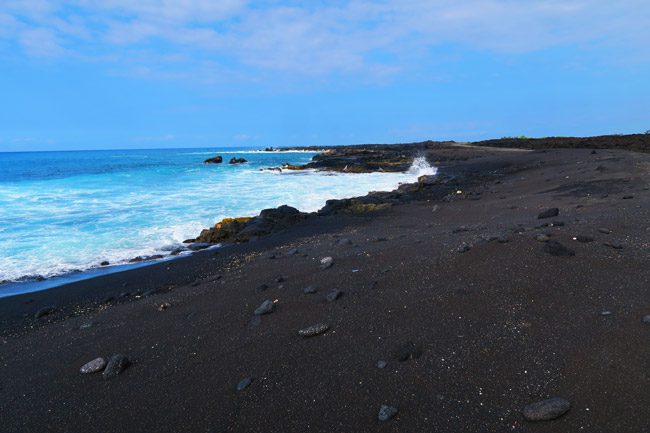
x: 97, y: 74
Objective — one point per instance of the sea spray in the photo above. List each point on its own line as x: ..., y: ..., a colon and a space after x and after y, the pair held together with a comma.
x: 79, y: 209
x: 421, y: 167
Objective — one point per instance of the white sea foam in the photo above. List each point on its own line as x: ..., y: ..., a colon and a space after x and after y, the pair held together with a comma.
x: 64, y: 225
x: 231, y: 152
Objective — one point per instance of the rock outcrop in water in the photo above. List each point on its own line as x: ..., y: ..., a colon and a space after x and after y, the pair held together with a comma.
x: 237, y: 161
x: 359, y: 160
x: 214, y: 160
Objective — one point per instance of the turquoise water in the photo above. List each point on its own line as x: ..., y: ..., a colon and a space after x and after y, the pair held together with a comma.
x: 66, y: 212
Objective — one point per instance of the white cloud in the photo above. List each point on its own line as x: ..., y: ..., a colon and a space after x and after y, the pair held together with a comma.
x: 372, y: 38
x: 41, y: 42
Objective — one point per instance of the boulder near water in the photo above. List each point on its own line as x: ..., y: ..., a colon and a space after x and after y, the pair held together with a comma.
x: 214, y: 160
x: 546, y: 410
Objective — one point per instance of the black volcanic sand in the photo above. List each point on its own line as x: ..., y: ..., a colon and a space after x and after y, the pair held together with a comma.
x: 453, y: 280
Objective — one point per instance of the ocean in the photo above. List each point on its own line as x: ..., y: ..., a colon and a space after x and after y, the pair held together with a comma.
x: 64, y: 213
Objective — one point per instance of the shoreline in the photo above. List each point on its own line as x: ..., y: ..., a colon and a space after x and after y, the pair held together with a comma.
x: 496, y: 307
x: 38, y: 283
x: 358, y: 153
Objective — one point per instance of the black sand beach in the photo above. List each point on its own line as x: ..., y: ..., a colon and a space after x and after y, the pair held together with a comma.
x: 472, y: 304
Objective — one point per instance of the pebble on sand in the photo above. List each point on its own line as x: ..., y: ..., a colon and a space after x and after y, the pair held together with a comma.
x: 646, y: 318
x: 116, y: 365
x: 386, y: 412
x: 164, y: 306
x: 265, y: 308
x: 244, y: 383
x: 549, y: 213
x: 614, y: 245
x: 309, y: 290
x: 326, y: 262
x: 381, y: 364
x: 604, y: 230
x: 93, y: 366
x: 546, y: 410
x: 312, y: 331
x: 333, y: 295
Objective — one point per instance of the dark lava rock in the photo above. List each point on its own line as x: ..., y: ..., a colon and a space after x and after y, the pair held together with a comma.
x: 314, y: 330
x: 326, y: 262
x: 408, y: 351
x: 333, y: 295
x: 584, y: 239
x: 246, y: 228
x: 244, y: 383
x: 199, y: 246
x: 237, y: 161
x: 104, y: 263
x: 615, y: 245
x: 309, y: 290
x: 214, y: 160
x: 265, y: 308
x: 145, y: 258
x: 45, y: 311
x: 555, y: 248
x: 604, y: 230
x: 549, y: 213
x: 189, y: 241
x: 116, y: 365
x: 93, y: 366
x: 386, y: 412
x: 628, y: 197
x: 546, y: 410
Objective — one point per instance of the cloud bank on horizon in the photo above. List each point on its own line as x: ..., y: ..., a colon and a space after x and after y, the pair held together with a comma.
x: 287, y: 44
